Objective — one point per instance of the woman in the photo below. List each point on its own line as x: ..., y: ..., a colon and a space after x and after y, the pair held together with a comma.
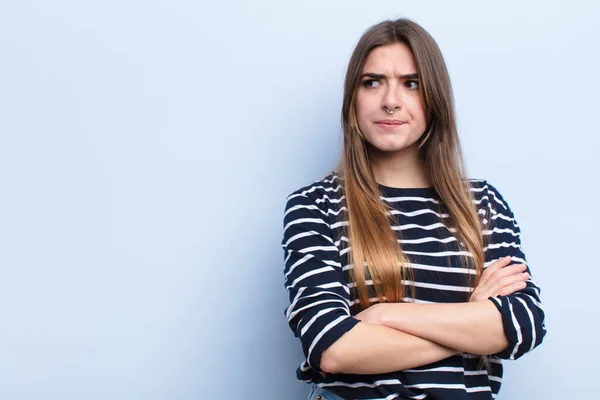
x: 441, y: 292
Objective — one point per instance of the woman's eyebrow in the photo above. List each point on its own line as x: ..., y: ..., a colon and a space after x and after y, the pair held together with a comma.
x: 373, y: 75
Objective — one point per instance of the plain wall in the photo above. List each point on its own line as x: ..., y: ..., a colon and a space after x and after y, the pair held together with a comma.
x: 147, y: 149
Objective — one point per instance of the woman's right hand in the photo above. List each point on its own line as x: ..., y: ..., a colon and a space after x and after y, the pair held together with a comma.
x: 500, y: 280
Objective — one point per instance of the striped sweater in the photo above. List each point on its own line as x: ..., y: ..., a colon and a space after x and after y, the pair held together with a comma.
x: 322, y: 309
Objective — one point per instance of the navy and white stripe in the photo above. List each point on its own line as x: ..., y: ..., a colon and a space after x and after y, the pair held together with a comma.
x: 321, y: 305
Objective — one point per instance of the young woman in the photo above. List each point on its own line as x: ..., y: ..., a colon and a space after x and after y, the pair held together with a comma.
x: 406, y: 279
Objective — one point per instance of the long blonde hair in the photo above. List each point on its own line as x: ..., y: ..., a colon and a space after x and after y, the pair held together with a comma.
x: 375, y: 251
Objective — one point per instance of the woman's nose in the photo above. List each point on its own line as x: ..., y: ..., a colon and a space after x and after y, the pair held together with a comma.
x: 391, y: 99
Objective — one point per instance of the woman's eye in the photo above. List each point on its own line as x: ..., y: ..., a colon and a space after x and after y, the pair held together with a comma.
x: 412, y: 84
x: 370, y: 83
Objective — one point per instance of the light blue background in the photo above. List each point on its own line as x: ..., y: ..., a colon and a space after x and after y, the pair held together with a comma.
x: 147, y: 148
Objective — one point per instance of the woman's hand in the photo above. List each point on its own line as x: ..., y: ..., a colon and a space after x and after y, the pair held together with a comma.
x: 500, y: 280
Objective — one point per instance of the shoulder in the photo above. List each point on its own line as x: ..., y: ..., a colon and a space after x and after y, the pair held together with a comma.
x: 323, y: 193
x: 487, y: 196
x: 314, y: 207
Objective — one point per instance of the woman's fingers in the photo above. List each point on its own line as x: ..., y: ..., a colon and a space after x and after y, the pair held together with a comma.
x: 506, y: 271
x: 499, y: 264
x: 512, y: 270
x: 494, y: 267
x: 510, y: 280
x: 500, y: 279
x: 505, y: 291
x: 499, y: 271
x: 508, y: 284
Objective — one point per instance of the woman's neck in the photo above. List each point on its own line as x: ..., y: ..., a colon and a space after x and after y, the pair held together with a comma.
x: 402, y: 169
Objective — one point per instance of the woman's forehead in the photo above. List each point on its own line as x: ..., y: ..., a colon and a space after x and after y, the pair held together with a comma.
x: 392, y: 60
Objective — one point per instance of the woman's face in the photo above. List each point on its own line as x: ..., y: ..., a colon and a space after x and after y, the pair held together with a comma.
x: 389, y: 79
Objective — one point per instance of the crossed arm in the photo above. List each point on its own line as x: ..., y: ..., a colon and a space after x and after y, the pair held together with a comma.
x: 370, y: 348
x: 426, y: 333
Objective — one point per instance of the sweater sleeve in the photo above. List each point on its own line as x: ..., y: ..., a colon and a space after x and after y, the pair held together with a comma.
x: 319, y: 310
x: 522, y: 312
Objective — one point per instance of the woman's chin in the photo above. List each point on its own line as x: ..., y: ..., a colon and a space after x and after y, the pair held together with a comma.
x: 387, y: 146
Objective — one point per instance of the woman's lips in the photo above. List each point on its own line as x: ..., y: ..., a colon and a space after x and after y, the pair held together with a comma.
x: 389, y: 125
